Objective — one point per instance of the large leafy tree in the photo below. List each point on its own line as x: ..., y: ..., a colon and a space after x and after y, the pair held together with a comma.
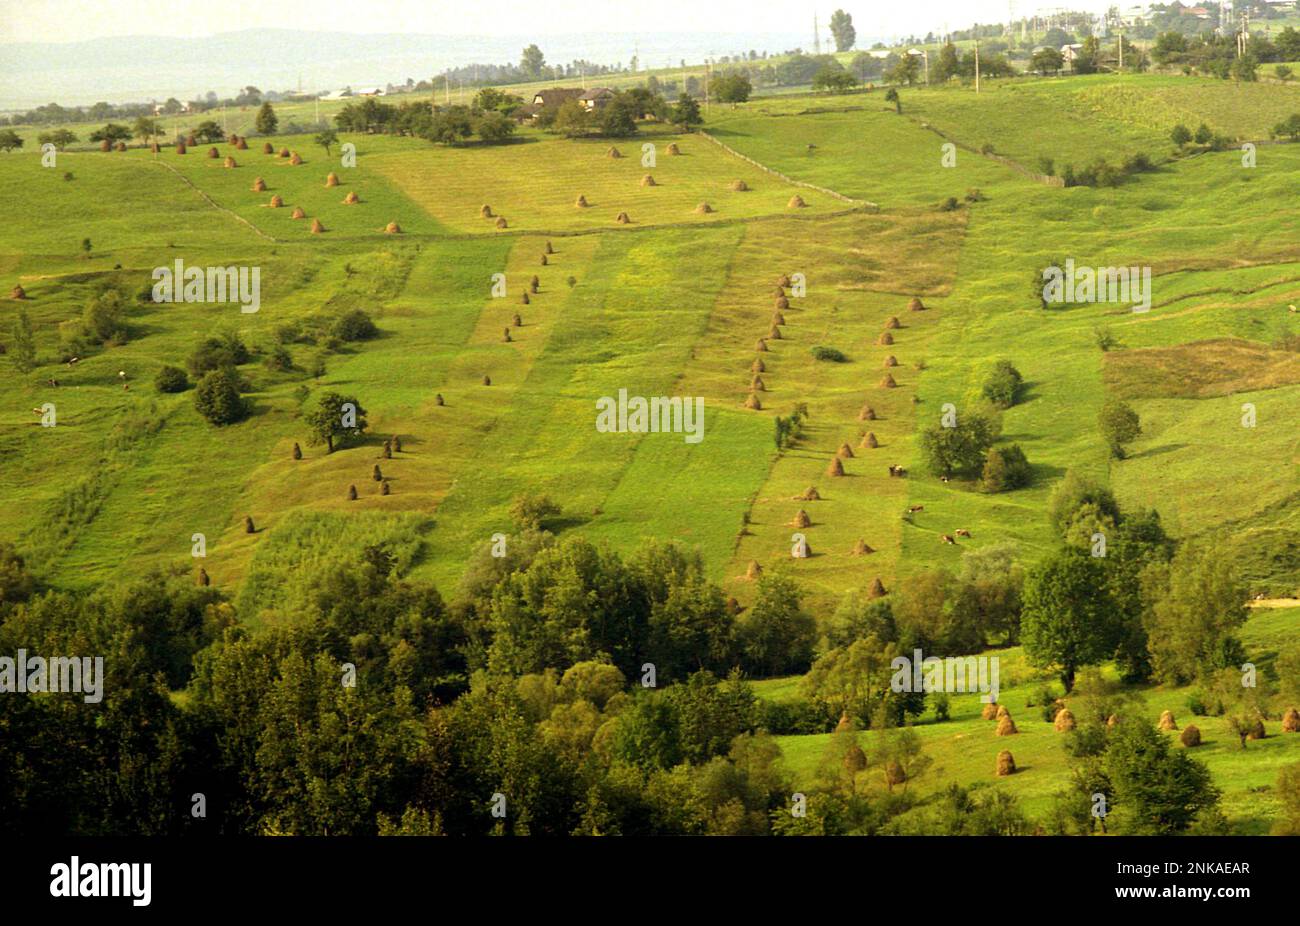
x: 1154, y: 789
x: 843, y: 31
x: 1069, y: 619
x: 267, y: 121
x: 1199, y: 604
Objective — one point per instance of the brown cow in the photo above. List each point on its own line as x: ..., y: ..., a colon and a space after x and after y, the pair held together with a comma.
x: 961, y: 532
x: 947, y: 538
x: 913, y: 509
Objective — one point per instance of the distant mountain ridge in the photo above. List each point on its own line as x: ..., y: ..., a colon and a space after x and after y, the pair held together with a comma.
x: 142, y: 67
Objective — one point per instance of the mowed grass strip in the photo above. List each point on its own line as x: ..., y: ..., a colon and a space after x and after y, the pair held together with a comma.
x: 534, y: 184
x: 629, y: 324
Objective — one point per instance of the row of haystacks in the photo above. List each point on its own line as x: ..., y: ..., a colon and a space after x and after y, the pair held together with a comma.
x: 331, y: 180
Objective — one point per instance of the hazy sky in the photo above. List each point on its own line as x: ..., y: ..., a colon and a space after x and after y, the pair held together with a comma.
x: 74, y: 20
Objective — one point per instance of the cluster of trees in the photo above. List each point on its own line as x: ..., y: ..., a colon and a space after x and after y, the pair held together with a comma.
x: 446, y: 125
x: 618, y: 116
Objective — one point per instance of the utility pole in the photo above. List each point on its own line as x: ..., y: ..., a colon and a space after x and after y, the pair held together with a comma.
x: 977, y: 66
x: 447, y: 78
x: 1121, y: 51
x: 817, y: 36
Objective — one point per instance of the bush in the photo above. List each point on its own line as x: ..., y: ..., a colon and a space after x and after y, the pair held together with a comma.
x: 171, y: 379
x: 217, y: 353
x: 355, y: 326
x: 949, y: 205
x: 828, y: 354
x: 217, y: 397
x: 279, y: 360
x: 530, y: 512
x: 1005, y: 468
x: 940, y: 702
x: 1002, y: 387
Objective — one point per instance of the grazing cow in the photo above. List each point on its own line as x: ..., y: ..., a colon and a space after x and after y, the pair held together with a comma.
x: 38, y: 411
x: 962, y: 532
x: 947, y: 538
x: 896, y: 470
x: 74, y: 360
x: 913, y: 509
x: 1293, y: 308
x: 943, y: 479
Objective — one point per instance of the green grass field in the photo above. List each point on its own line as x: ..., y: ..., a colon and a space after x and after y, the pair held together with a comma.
x: 674, y: 303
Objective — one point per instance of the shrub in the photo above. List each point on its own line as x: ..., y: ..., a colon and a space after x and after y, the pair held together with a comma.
x: 355, y: 326
x: 949, y: 205
x: 1005, y: 468
x: 226, y: 350
x: 828, y: 354
x: 279, y: 360
x: 171, y: 379
x: 217, y: 397
x: 1002, y: 387
x: 530, y: 512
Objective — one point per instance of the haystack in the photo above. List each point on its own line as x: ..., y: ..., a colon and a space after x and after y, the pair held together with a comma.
x: 990, y: 711
x: 517, y: 320
x: 1291, y: 721
x: 17, y: 292
x: 888, y: 382
x: 893, y: 323
x: 739, y: 186
x: 331, y: 179
x: 774, y: 333
x: 316, y: 227
x: 894, y: 773
x: 836, y: 468
x: 233, y: 139
x: 298, y: 213
x: 439, y: 400
x: 153, y: 147
x: 392, y: 228
x: 524, y: 299
x: 867, y: 414
x: 501, y: 222
x: 778, y: 318
x: 845, y: 452
x: 613, y: 153
x: 916, y: 305
x: 214, y: 153
x: 869, y: 441
x: 1002, y: 711
x: 376, y: 474
x: 761, y: 345
x: 783, y: 280
x: 276, y: 201
x: 779, y: 289
x: 758, y: 366
x: 703, y: 209
x: 397, y: 443
x: 781, y: 303
x: 891, y: 361
x: 248, y: 525
x: 752, y: 402
x: 534, y: 284
x: 801, y: 519
x: 885, y: 339
x: 485, y: 211
x: 648, y: 180
x: 855, y: 760
x: 190, y: 140
x: 672, y: 149
x: 622, y: 219
x: 581, y: 202
x: 1064, y: 721
x: 809, y: 494
x: 121, y: 146
x: 351, y: 199
x: 229, y: 163
x: 861, y: 549
x: 845, y: 724
x: 1112, y: 721
x: 297, y: 451
x: 268, y: 148
x: 1006, y: 764
x: 754, y: 570
x: 284, y: 152
x: 388, y: 449
x: 506, y: 336
x: 1191, y: 736
x: 548, y: 249
x: 295, y: 159
x: 1006, y: 726
x: 796, y: 202
x: 242, y: 144
x: 757, y: 384
x: 877, y: 589
x: 180, y: 147
x: 352, y: 493
x: 259, y: 185
x: 487, y: 380
x: 545, y: 260
x: 1256, y: 730
x: 1167, y: 721
x: 383, y: 488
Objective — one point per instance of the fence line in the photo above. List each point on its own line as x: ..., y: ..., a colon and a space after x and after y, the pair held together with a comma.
x: 790, y: 180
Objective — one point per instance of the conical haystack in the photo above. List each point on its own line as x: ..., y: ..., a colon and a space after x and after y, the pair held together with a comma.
x: 229, y: 163
x: 648, y: 180
x: 1291, y: 721
x: 351, y: 199
x: 739, y: 186
x: 622, y: 219
x: 809, y: 494
x: 17, y: 292
x: 298, y: 213
x: 1006, y: 726
x: 1006, y: 764
x: 836, y: 468
x: 867, y: 414
x: 501, y: 222
x: 796, y: 202
x: 1064, y: 721
x: 268, y: 148
x: 581, y: 202
x: 885, y: 339
x: 855, y: 760
x: 869, y: 441
x: 990, y: 711
x: 757, y: 384
x: 877, y: 589
x: 801, y: 519
x: 316, y: 227
x: 754, y: 570
x: 888, y: 382
x: 916, y: 305
x: 392, y: 228
x: 331, y: 179
x: 778, y: 318
x: 1167, y: 721
x: 861, y: 549
x: 758, y: 366
x: 752, y: 402
x: 276, y: 201
x: 703, y: 209
x: 890, y: 361
x: 214, y: 153
x: 259, y: 185
x: 893, y: 323
x: 1191, y: 736
x: 845, y: 452
x: 672, y: 149
x: 761, y: 345
x: 613, y: 153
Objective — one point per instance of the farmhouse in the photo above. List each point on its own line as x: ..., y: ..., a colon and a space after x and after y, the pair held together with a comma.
x: 554, y: 97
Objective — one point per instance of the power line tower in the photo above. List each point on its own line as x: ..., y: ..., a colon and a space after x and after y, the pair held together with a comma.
x: 817, y: 36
